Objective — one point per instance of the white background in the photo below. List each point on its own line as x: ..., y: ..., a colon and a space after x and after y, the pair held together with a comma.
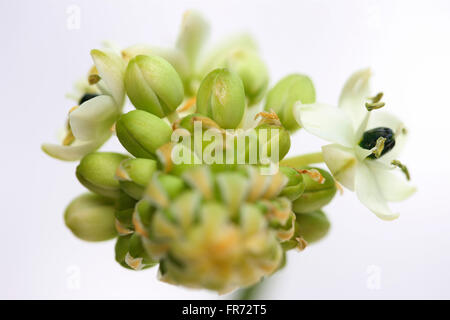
x: 407, y: 44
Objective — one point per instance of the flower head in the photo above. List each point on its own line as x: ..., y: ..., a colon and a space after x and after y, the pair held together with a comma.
x: 89, y: 124
x: 366, y: 143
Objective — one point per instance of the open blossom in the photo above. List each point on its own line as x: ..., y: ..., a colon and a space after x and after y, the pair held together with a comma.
x: 89, y: 124
x: 365, y: 144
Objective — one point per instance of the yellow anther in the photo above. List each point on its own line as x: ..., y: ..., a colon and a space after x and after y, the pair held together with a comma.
x: 93, y: 79
x: 379, y: 147
x: 374, y: 105
x: 376, y: 98
x: 73, y: 109
x: 313, y: 174
x: 68, y: 139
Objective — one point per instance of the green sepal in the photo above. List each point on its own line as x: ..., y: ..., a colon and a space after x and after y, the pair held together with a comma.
x: 295, y: 185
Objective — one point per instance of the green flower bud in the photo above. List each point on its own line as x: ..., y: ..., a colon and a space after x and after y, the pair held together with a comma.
x: 252, y: 71
x: 153, y: 85
x: 131, y: 254
x: 221, y: 97
x: 96, y: 172
x: 134, y: 175
x: 312, y: 226
x: 280, y: 137
x: 142, y: 133
x: 91, y: 217
x: 282, y: 97
x: 295, y: 185
x: 317, y: 194
x: 192, y: 37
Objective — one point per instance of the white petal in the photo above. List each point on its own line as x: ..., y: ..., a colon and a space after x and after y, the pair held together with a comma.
x: 327, y: 122
x: 111, y: 68
x: 393, y: 186
x: 354, y: 95
x: 93, y: 118
x: 370, y: 194
x: 342, y: 163
x: 386, y: 119
x: 361, y: 153
x: 74, y: 152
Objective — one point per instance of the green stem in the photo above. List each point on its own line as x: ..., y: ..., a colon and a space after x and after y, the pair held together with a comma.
x: 172, y: 117
x: 303, y: 160
x: 250, y: 293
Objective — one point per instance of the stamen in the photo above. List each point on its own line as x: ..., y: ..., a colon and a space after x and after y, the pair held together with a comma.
x: 313, y: 174
x: 268, y: 117
x: 379, y: 147
x: 68, y: 139
x: 402, y: 167
x: 73, y: 109
x: 93, y: 79
x: 374, y: 105
x: 376, y: 98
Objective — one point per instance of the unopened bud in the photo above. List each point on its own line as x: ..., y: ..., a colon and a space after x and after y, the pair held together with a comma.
x: 289, y: 90
x: 312, y: 226
x: 91, y: 217
x: 96, y: 172
x: 221, y: 97
x: 142, y: 133
x: 153, y: 85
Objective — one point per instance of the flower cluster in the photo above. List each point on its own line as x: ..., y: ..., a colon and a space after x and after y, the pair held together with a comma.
x: 221, y: 218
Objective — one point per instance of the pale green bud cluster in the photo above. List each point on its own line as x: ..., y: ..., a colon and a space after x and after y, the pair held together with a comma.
x: 220, y: 225
x: 215, y: 230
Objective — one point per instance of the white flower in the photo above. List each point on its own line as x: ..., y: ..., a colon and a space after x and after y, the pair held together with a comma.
x: 90, y: 123
x: 356, y: 168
